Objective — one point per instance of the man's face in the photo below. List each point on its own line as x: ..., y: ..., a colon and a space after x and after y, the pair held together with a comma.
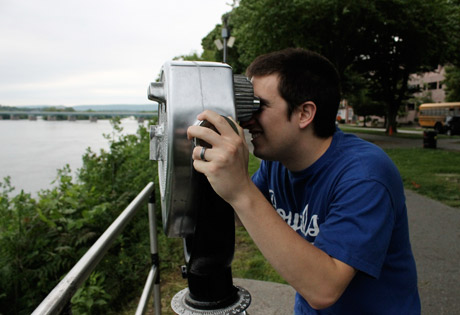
x: 273, y: 134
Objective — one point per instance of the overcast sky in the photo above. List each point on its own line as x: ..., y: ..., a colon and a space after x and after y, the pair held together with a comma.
x: 77, y: 52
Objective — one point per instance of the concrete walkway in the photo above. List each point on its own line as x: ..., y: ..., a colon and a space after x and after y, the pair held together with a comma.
x: 268, y: 298
x: 435, y: 236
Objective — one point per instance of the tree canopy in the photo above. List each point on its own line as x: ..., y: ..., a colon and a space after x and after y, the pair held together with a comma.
x: 382, y: 41
x: 452, y: 83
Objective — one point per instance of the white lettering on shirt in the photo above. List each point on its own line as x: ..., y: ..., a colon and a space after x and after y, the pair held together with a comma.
x: 297, y: 221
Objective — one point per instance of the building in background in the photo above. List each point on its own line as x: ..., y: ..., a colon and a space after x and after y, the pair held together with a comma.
x: 430, y: 89
x: 430, y: 85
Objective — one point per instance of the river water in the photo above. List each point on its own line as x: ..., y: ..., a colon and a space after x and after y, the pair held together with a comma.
x: 31, y: 152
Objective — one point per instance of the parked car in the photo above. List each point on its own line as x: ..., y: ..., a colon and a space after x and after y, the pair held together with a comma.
x: 452, y: 126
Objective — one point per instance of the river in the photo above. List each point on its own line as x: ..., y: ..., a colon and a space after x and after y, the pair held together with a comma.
x: 31, y: 152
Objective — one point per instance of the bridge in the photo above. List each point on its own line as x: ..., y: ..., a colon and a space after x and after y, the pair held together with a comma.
x: 93, y: 115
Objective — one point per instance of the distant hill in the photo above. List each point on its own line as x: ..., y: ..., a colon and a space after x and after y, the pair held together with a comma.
x: 108, y: 107
x: 117, y: 107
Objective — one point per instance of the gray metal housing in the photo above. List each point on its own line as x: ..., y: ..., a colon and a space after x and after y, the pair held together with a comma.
x: 186, y: 89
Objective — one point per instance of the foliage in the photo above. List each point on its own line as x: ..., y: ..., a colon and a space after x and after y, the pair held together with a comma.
x: 90, y: 298
x: 363, y: 105
x: 382, y: 41
x: 191, y: 57
x: 57, y: 109
x: 361, y: 101
x: 41, y: 239
x: 452, y: 84
x: 210, y: 51
x: 407, y: 37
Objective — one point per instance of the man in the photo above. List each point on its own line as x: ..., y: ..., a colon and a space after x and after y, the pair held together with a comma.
x: 339, y: 234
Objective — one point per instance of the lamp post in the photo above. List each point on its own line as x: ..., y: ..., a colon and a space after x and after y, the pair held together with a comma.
x: 225, y: 36
x: 228, y: 40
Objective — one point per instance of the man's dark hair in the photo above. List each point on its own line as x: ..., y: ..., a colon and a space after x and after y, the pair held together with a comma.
x: 303, y: 76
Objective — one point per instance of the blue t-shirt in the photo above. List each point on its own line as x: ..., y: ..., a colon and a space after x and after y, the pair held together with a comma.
x: 350, y: 203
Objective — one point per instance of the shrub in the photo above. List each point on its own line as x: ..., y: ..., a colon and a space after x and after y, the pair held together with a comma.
x: 41, y: 239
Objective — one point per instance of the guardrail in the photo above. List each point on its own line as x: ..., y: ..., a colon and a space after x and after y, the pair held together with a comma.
x: 59, y: 298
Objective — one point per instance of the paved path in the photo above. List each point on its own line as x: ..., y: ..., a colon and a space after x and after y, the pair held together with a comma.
x: 435, y: 236
x: 451, y: 144
x: 268, y: 298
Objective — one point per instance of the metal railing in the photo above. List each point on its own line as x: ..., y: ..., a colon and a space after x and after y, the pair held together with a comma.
x: 59, y: 297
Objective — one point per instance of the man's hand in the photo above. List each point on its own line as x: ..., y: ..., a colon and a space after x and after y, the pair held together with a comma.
x: 226, y: 162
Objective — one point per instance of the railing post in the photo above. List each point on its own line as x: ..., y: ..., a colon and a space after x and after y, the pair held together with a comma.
x: 154, y: 252
x: 153, y: 279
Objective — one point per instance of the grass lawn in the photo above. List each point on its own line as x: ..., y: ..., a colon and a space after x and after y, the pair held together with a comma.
x: 249, y: 263
x: 432, y: 173
x: 406, y: 132
x: 380, y: 131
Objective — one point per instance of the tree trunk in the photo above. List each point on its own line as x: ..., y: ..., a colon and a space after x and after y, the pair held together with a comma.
x: 392, y: 123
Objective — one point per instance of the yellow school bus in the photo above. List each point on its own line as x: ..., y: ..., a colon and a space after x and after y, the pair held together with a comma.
x: 434, y: 115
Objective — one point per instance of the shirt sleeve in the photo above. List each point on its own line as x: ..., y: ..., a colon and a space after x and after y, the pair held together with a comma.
x: 358, y: 227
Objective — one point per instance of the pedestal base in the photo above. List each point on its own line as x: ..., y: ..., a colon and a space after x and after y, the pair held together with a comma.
x: 179, y: 305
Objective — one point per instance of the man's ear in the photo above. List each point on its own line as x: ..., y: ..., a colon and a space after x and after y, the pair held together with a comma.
x: 306, y: 113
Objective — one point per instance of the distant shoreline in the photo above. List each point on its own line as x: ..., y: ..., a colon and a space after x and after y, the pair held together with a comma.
x: 81, y: 108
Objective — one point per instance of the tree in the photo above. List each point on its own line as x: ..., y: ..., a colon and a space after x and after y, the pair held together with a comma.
x: 364, y: 106
x: 452, y: 83
x: 192, y: 57
x: 211, y: 53
x: 384, y: 41
x: 406, y: 37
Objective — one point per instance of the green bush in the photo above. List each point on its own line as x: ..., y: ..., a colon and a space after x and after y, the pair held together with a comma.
x: 42, y: 238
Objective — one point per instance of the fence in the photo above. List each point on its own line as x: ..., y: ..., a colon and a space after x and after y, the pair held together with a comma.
x: 59, y: 298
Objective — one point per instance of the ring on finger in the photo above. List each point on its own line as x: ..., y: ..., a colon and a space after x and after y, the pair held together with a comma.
x: 203, y: 151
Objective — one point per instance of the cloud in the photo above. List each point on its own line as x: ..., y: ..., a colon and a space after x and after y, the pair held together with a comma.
x: 95, y: 52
